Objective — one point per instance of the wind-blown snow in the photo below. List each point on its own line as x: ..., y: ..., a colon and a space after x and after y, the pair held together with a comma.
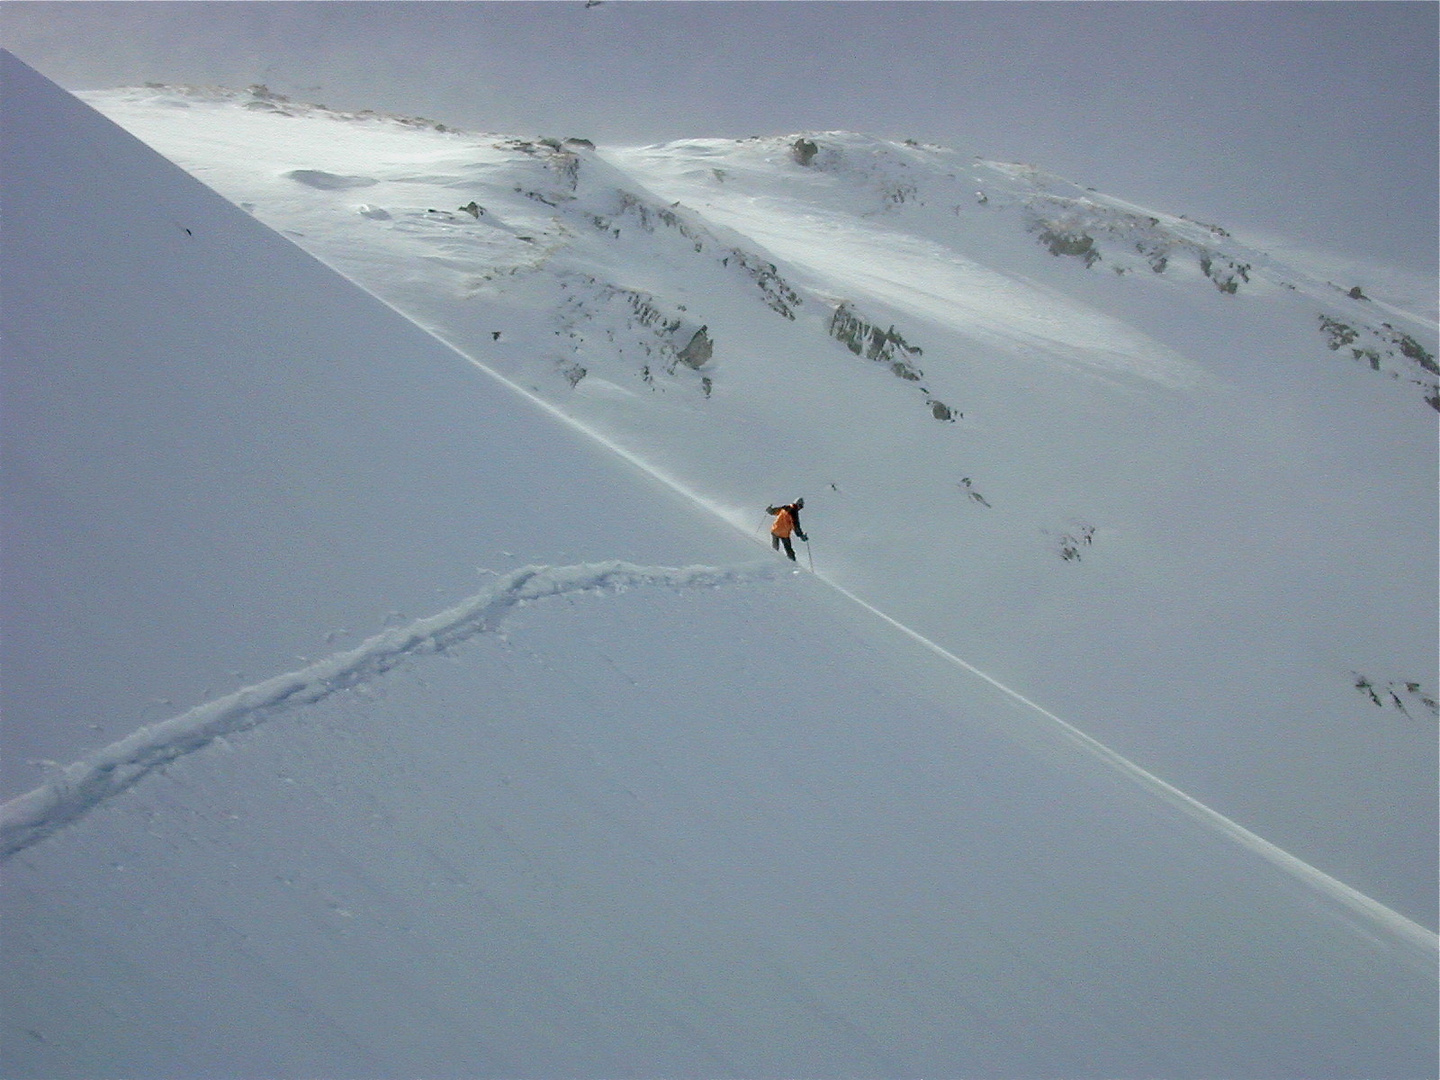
x: 927, y: 280
x: 79, y: 788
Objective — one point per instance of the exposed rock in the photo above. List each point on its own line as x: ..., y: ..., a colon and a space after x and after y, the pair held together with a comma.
x: 1076, y: 244
x: 868, y: 340
x: 803, y: 151
x: 1387, y: 350
x: 698, y: 350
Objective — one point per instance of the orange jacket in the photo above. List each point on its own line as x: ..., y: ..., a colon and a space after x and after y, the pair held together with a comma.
x: 787, y: 519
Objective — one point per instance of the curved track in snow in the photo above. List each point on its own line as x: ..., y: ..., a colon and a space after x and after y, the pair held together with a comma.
x: 80, y: 787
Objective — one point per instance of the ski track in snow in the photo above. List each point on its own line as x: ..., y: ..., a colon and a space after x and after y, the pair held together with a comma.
x: 82, y: 786
x: 1368, y: 916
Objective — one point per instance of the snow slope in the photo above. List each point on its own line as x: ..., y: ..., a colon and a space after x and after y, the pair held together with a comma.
x: 682, y: 814
x: 1173, y: 485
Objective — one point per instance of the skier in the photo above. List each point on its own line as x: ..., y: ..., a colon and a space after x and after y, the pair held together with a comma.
x: 787, y: 520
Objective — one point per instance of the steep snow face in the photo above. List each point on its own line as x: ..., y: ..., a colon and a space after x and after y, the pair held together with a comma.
x: 1176, y: 487
x: 601, y: 818
x: 285, y: 464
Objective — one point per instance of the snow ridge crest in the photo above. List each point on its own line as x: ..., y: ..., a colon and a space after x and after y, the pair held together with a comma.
x: 83, y: 785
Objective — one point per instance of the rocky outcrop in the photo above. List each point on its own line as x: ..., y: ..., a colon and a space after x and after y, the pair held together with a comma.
x: 803, y: 151
x: 887, y: 347
x: 1385, y: 349
x: 866, y: 339
x: 698, y: 350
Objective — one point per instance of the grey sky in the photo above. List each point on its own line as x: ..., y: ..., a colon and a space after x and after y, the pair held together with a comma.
x: 1316, y: 121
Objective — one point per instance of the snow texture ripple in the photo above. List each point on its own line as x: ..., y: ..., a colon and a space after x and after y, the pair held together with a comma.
x: 80, y: 787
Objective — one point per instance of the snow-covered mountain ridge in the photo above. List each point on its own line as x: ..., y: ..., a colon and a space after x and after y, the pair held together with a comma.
x: 1100, y: 229
x: 886, y: 179
x: 880, y: 178
x: 765, y: 829
x: 1058, y: 433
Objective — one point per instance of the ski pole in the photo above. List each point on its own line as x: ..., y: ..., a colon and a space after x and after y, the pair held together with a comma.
x: 810, y: 554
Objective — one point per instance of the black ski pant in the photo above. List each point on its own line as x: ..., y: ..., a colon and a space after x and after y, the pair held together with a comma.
x: 776, y: 541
